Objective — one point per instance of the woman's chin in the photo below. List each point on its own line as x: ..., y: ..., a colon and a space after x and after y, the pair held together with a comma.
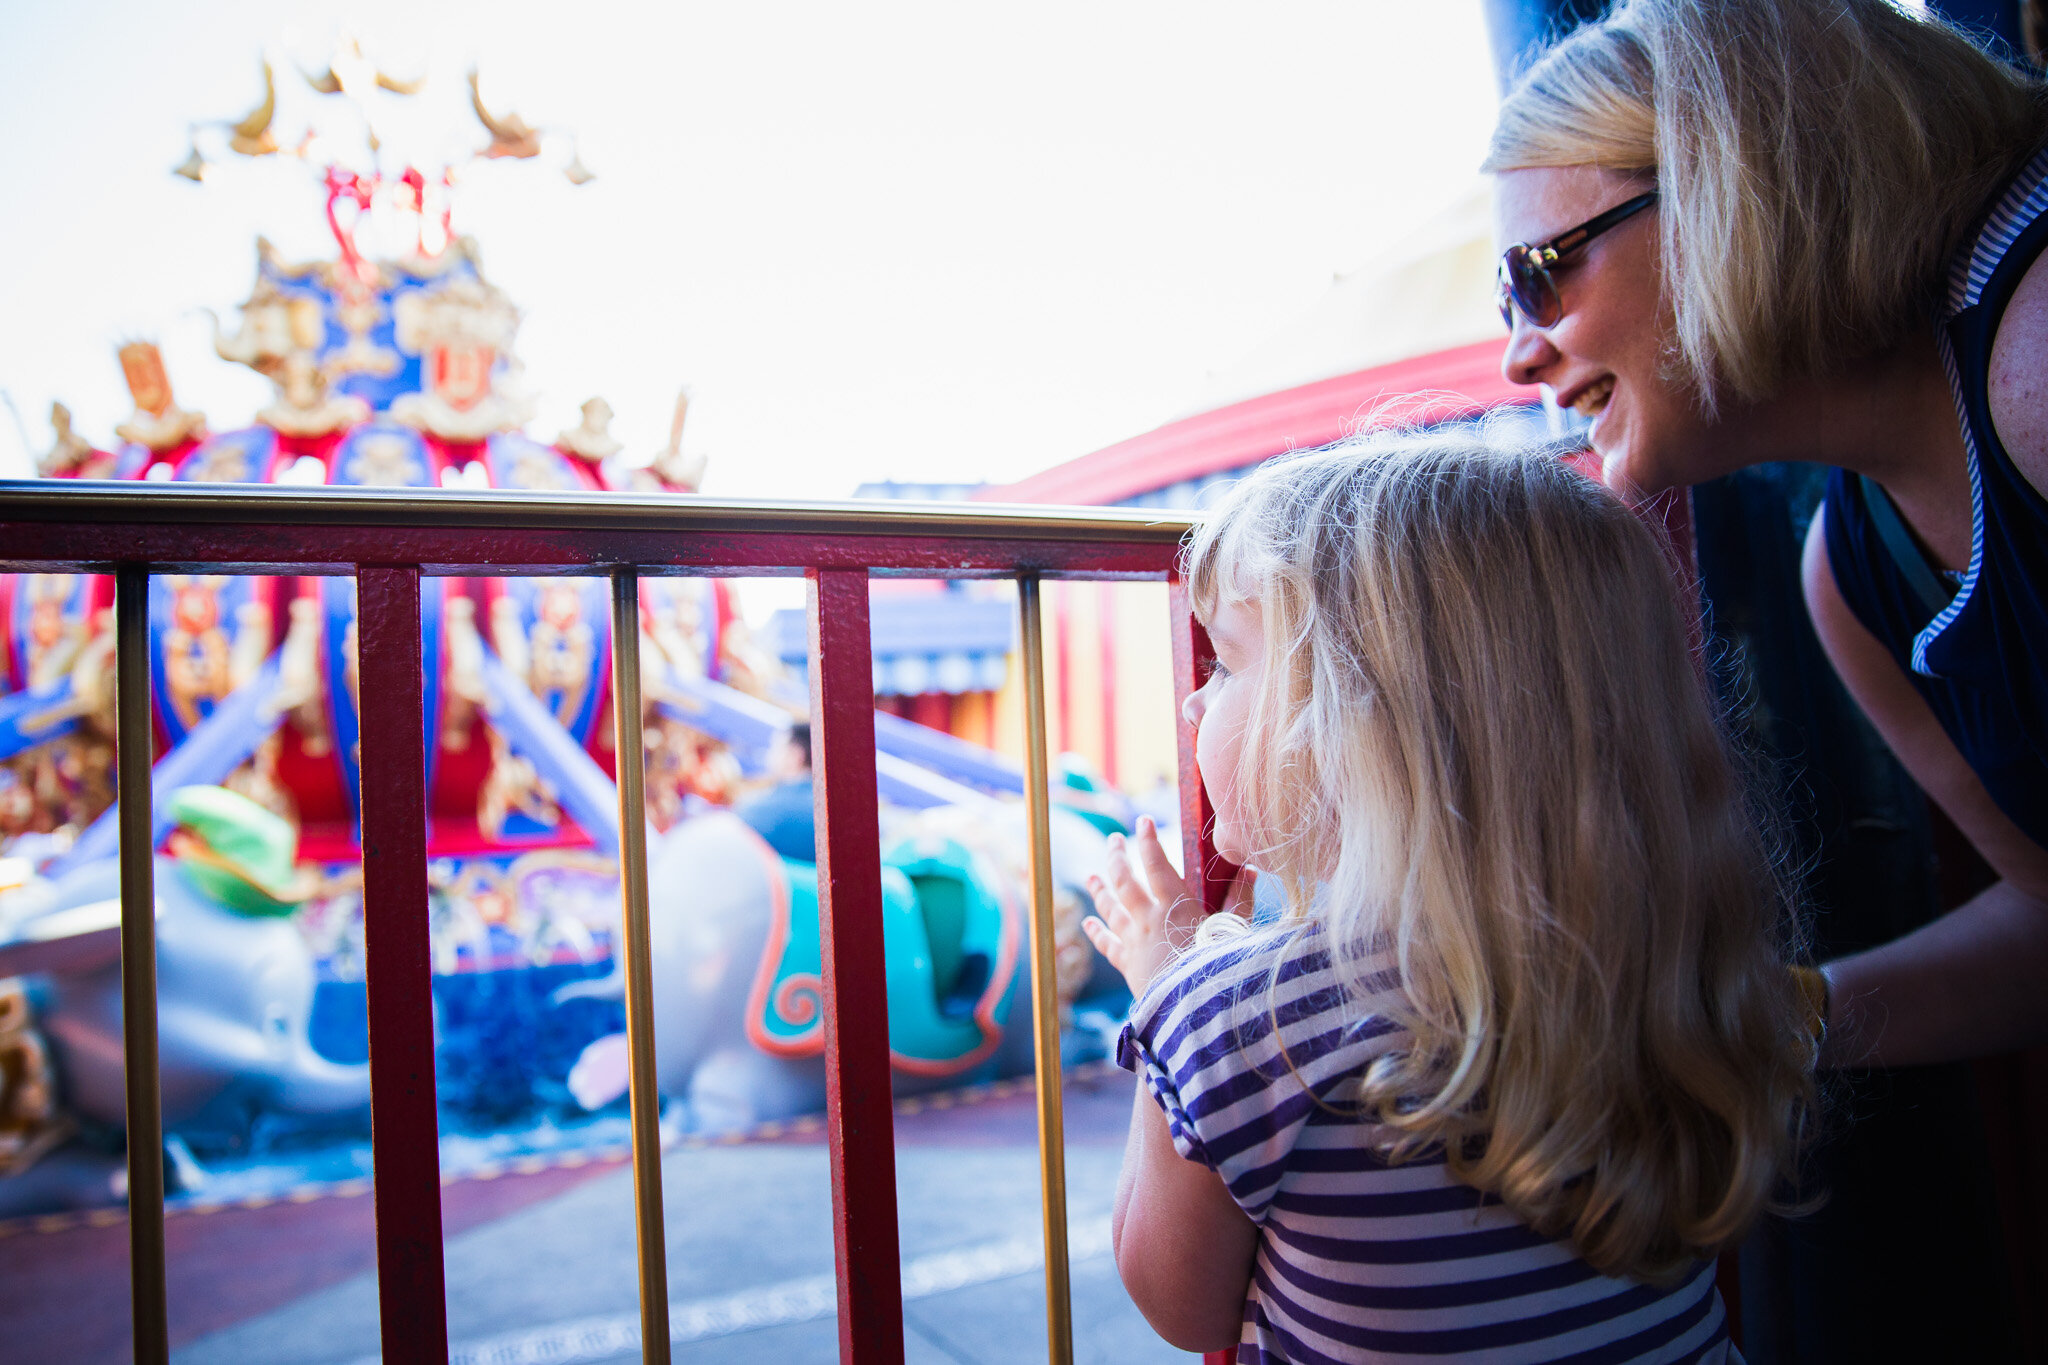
x: 1625, y: 469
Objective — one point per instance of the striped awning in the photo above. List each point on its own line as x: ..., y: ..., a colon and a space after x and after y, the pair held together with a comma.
x: 948, y: 641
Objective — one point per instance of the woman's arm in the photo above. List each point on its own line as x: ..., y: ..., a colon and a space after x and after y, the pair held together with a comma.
x: 1974, y: 981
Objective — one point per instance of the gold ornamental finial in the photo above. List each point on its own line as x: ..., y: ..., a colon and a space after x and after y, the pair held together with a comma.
x: 511, y: 135
x: 684, y: 471
x: 252, y: 136
x: 592, y: 438
x: 349, y: 70
x: 70, y: 452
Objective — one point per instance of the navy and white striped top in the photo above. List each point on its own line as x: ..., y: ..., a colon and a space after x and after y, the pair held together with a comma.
x: 1981, y: 660
x: 1360, y: 1260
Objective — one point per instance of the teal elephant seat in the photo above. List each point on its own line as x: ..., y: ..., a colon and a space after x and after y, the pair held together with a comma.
x: 952, y: 940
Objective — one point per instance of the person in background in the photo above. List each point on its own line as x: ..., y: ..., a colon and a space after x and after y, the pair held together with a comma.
x: 784, y: 814
x: 1521, y: 1056
x: 1749, y: 231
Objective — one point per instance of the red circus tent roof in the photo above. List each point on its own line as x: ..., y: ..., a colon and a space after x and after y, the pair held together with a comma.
x: 1436, y: 387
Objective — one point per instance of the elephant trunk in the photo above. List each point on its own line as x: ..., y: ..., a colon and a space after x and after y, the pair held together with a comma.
x: 315, y: 1086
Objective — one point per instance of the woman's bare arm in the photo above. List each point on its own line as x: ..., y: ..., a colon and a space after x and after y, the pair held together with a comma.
x: 1972, y: 982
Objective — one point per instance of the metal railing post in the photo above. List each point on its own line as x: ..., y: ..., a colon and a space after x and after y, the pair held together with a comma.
x: 630, y: 755
x: 1208, y: 873
x: 860, y: 1121
x: 412, y: 1303
x: 148, y: 1297
x: 1045, y: 1000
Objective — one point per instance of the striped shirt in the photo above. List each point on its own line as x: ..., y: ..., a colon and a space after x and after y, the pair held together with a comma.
x: 1360, y: 1260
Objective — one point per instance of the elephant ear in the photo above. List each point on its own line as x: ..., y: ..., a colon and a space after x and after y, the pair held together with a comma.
x: 786, y: 1006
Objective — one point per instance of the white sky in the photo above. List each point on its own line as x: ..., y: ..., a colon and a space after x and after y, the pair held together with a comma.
x: 933, y: 241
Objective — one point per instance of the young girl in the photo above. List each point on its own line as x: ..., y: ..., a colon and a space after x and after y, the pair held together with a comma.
x: 1521, y: 1057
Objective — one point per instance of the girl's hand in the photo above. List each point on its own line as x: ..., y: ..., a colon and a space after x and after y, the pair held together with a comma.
x: 1146, y: 911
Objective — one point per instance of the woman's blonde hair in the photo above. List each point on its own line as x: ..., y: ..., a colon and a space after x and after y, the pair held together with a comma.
x: 1480, y: 729
x: 1818, y: 164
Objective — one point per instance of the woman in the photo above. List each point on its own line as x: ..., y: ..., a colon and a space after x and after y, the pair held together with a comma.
x: 1760, y: 230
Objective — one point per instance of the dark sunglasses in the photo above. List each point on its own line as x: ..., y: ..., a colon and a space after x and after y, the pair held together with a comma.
x: 1524, y: 284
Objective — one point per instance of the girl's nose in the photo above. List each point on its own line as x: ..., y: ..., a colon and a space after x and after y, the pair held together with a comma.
x: 1529, y: 353
x: 1195, y: 707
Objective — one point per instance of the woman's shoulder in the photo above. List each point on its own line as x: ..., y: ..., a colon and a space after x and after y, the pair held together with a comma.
x: 2016, y: 397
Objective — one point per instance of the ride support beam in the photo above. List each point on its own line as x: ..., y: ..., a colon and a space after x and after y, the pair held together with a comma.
x: 412, y: 1301
x: 860, y: 1120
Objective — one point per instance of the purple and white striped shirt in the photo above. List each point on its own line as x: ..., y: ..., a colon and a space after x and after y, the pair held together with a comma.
x: 1360, y: 1260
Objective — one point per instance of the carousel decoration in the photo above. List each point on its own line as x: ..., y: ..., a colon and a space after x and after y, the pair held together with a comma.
x: 393, y: 364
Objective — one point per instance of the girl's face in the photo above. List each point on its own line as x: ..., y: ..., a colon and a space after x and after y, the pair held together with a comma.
x: 1606, y: 357
x: 1219, y: 712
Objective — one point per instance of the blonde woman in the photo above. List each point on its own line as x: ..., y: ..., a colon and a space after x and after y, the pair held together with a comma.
x: 1520, y: 1058
x: 1757, y: 230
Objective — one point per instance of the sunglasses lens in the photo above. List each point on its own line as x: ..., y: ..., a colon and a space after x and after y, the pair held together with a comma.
x: 1529, y: 286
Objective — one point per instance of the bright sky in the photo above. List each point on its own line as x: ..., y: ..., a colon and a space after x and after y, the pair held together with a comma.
x: 928, y: 241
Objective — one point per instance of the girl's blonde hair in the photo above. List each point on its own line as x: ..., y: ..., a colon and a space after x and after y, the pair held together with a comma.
x: 1479, y: 727
x: 1818, y: 164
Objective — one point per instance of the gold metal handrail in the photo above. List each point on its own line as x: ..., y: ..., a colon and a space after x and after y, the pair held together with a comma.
x: 1045, y: 1000
x: 651, y: 1238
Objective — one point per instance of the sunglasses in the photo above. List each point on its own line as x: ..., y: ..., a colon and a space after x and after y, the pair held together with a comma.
x: 1524, y: 285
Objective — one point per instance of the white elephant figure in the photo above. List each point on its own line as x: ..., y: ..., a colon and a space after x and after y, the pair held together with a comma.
x: 738, y: 1033
x: 234, y: 999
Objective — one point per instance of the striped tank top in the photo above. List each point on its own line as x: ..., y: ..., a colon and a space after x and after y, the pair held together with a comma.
x: 1976, y: 650
x: 1360, y: 1260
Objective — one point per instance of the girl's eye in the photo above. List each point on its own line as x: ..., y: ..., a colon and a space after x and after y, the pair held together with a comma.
x: 1218, y: 670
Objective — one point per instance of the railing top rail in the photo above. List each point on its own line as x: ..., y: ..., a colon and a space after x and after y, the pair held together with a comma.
x: 53, y: 500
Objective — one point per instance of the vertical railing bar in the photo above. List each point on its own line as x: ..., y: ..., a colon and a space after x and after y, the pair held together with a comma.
x: 650, y: 1235
x: 1208, y: 874
x: 412, y: 1298
x: 1045, y: 1002
x: 148, y: 1297
x: 860, y: 1124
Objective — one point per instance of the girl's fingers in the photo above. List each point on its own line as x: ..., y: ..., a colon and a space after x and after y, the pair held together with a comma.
x: 1134, y: 894
x: 1107, y: 903
x: 1106, y: 942
x: 1166, y: 883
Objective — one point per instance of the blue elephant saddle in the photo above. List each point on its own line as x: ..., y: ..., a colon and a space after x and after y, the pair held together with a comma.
x: 952, y: 940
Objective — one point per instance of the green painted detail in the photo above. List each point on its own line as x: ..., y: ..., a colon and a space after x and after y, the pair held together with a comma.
x: 1104, y: 822
x: 943, y: 926
x: 1079, y: 774
x: 249, y: 861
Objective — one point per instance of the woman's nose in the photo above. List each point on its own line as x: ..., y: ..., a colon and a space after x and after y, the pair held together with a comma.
x: 1195, y: 707
x: 1529, y: 353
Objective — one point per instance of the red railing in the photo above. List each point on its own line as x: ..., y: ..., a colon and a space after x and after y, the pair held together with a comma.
x: 387, y: 540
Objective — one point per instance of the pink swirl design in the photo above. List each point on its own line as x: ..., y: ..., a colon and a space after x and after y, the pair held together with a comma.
x: 799, y: 998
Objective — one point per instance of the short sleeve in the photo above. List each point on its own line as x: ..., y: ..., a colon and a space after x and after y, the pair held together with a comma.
x: 1245, y: 1047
